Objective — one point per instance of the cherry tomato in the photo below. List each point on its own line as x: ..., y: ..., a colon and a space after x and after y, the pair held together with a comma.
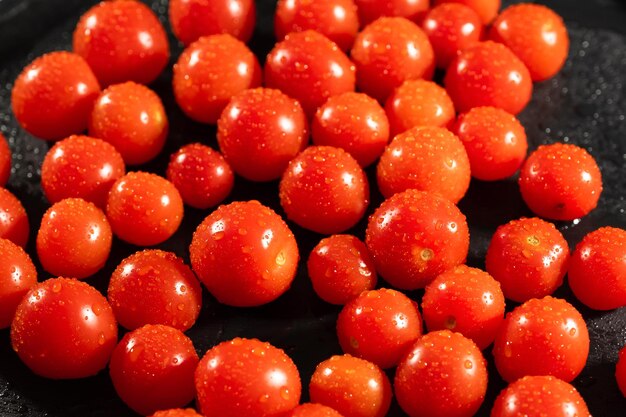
x: 144, y: 209
x: 192, y: 19
x: 14, y: 225
x: 17, y: 276
x: 495, y: 142
x: 488, y: 74
x: 74, y: 239
x: 82, y: 167
x: 597, y: 269
x: 486, y: 9
x: 620, y: 371
x: 64, y: 329
x: 209, y: 72
x: 310, y: 68
x: 443, y: 374
x: 313, y: 410
x: 352, y: 386
x: 379, y: 326
x: 201, y: 175
x: 324, y: 190
x: 528, y: 257
x: 560, y: 182
x: 130, y: 117
x: 53, y: 96
x: 247, y: 377
x: 388, y: 52
x: 370, y: 10
x: 260, y: 131
x: 5, y: 161
x: 546, y: 336
x: 536, y: 34
x: 177, y: 412
x: 244, y: 254
x: 153, y: 367
x: 415, y: 236
x: 154, y: 287
x: 122, y: 41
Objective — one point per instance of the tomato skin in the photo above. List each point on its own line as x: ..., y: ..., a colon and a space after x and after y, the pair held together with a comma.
x: 122, y: 41
x: 17, y: 276
x: 177, y: 412
x: 5, y: 161
x: 53, y: 95
x: 620, y: 371
x: 370, y: 10
x: 247, y: 377
x: 14, y: 224
x: 546, y: 336
x: 244, y: 254
x: 64, y: 329
x: 260, y: 131
x: 312, y: 410
x: 210, y: 72
x: 486, y: 9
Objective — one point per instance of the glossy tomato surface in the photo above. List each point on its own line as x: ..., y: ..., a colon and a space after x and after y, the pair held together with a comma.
x: 17, y: 276
x: 486, y: 9
x: 14, y: 224
x: 177, y: 412
x: 370, y: 10
x: 5, y: 161
x: 313, y: 410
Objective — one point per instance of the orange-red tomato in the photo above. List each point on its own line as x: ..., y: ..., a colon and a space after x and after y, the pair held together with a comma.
x: 122, y: 41
x: 620, y: 371
x: 53, y: 96
x: 177, y: 412
x: 17, y: 276
x: 370, y: 10
x: 312, y: 410
x: 486, y: 9
x: 5, y: 161
x: 14, y: 225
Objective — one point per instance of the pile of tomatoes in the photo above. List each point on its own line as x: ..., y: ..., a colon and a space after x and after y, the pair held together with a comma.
x: 355, y: 77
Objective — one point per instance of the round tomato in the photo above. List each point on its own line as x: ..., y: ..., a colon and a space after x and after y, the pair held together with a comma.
x: 620, y: 371
x: 370, y: 10
x: 5, y: 161
x: 177, y: 412
x: 313, y: 410
x: 14, y: 225
x: 17, y: 276
x: 486, y: 9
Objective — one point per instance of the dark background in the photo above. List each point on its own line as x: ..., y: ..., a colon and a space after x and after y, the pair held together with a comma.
x: 584, y: 105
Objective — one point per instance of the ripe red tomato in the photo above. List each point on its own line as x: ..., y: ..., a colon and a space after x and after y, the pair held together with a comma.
x: 260, y: 131
x: 536, y: 34
x: 597, y: 269
x: 529, y: 258
x: 177, y: 412
x: 144, y: 209
x: 426, y: 158
x: 379, y: 326
x: 14, y: 225
x: 130, y: 117
x: 53, y: 95
x: 192, y: 19
x: 209, y: 72
x: 352, y: 386
x: 313, y: 410
x: 388, y: 52
x: 443, y: 374
x: 620, y: 371
x: 546, y: 336
x: 74, y: 239
x: 244, y: 254
x: 82, y: 167
x: 247, y: 377
x: 560, y: 182
x: 310, y: 68
x: 154, y: 287
x: 152, y: 368
x: 5, y: 161
x: 370, y: 10
x: 64, y: 329
x: 415, y: 236
x: 486, y: 9
x: 488, y: 74
x: 17, y: 276
x: 324, y: 190
x: 122, y: 41
x: 201, y: 175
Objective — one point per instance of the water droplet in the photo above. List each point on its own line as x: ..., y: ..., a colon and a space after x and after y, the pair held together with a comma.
x: 281, y: 258
x: 468, y: 364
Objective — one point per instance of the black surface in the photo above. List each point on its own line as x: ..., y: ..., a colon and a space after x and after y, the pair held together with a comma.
x: 584, y: 105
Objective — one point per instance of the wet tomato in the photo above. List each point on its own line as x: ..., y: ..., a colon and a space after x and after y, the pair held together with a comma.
x: 370, y: 10
x: 177, y: 412
x: 620, y: 371
x: 17, y: 276
x: 313, y: 410
x: 5, y: 161
x: 14, y: 225
x: 486, y: 9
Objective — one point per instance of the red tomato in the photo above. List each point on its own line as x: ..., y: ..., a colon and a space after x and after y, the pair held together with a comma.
x: 122, y: 41
x: 246, y: 377
x: 597, y: 269
x: 560, y: 182
x: 17, y: 276
x: 388, y: 52
x: 495, y: 142
x: 64, y: 329
x: 528, y: 257
x: 144, y: 209
x: 74, y: 239
x: 82, y: 167
x: 546, y: 336
x: 352, y: 386
x: 260, y: 131
x: 14, y: 225
x: 176, y: 412
x: 486, y: 9
x: 152, y: 368
x: 53, y: 96
x: 415, y: 236
x: 130, y: 117
x: 5, y: 161
x: 310, y: 68
x: 211, y: 71
x: 312, y: 410
x: 244, y: 254
x: 488, y: 74
x: 443, y: 374
x: 370, y: 10
x: 379, y: 326
x: 324, y: 190
x: 192, y: 19
x: 201, y: 175
x: 154, y: 287
x: 620, y: 371
x: 536, y: 34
